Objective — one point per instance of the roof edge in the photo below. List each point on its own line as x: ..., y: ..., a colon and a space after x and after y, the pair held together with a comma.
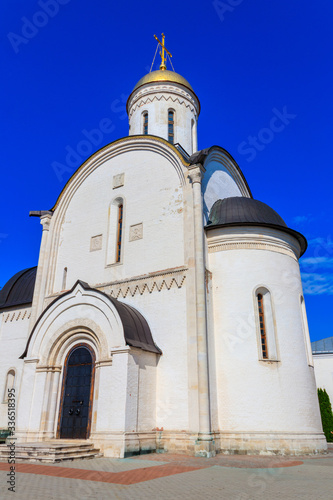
x: 163, y: 81
x: 120, y: 140
x: 86, y: 286
x: 298, y: 236
x: 201, y: 156
x: 8, y: 286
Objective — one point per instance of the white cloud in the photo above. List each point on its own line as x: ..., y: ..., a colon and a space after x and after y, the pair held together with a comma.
x: 317, y: 268
x: 317, y: 261
x: 302, y: 219
x: 317, y: 284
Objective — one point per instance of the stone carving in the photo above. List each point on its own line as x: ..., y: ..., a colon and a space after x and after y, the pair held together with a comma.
x: 96, y: 243
x: 136, y: 232
x: 118, y: 180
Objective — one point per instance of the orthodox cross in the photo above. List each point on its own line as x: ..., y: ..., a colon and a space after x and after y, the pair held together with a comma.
x: 163, y: 63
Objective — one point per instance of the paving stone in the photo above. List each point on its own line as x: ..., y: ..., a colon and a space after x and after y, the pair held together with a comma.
x: 173, y: 477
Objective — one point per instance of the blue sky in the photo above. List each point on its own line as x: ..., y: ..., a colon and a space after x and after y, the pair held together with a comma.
x: 69, y: 64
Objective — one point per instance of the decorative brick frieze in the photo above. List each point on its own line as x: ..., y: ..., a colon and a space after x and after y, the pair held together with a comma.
x: 241, y: 245
x: 143, y: 101
x: 17, y: 315
x: 146, y: 284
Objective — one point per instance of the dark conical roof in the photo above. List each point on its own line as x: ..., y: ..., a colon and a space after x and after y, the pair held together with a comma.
x: 241, y: 211
x: 19, y: 289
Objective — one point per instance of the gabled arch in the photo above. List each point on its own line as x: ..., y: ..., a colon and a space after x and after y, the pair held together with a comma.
x: 87, y: 313
x: 118, y: 147
x: 223, y: 177
x: 143, y: 143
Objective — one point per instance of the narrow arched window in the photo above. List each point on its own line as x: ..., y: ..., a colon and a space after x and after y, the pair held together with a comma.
x: 145, y: 123
x: 10, y: 382
x: 115, y: 232
x: 171, y: 126
x: 119, y: 232
x: 262, y: 326
x: 64, y: 279
x: 266, y: 325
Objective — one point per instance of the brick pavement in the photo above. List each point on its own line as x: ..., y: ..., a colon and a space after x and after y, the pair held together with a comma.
x: 164, y: 477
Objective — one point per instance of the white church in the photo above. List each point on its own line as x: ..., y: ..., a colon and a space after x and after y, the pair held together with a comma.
x: 166, y: 312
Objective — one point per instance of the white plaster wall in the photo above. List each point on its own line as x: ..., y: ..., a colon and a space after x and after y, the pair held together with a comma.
x: 152, y: 196
x: 165, y: 312
x: 157, y: 99
x: 217, y: 184
x: 323, y: 367
x: 222, y: 179
x: 112, y: 390
x: 254, y: 395
x: 13, y: 338
x: 144, y: 380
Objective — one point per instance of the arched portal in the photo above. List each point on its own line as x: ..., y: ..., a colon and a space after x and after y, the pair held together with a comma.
x: 77, y: 393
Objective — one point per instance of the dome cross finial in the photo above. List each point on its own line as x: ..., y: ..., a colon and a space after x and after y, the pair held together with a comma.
x: 163, y: 58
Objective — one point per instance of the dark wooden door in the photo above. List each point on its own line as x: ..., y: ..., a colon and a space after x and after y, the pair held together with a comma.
x: 76, y: 395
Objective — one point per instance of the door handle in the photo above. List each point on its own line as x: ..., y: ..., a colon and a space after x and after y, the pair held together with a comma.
x: 77, y: 411
x: 71, y: 411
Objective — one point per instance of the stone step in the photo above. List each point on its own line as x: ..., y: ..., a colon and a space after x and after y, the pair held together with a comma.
x: 51, y: 451
x: 52, y: 460
x: 46, y: 451
x: 41, y: 453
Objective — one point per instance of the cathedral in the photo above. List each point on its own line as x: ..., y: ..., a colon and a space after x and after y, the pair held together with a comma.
x: 166, y: 311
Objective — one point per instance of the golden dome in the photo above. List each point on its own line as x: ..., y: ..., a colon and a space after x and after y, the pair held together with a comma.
x: 163, y: 76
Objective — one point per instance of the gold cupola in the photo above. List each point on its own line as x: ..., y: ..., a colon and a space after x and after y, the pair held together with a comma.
x: 163, y: 103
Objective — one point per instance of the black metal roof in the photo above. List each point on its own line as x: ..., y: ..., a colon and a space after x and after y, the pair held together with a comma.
x: 136, y: 329
x: 241, y: 211
x: 19, y: 289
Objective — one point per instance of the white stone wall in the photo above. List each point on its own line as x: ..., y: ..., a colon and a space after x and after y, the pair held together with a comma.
x: 14, y: 325
x: 153, y: 205
x: 165, y: 312
x: 255, y: 395
x: 157, y: 99
x: 323, y: 367
x: 222, y: 179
